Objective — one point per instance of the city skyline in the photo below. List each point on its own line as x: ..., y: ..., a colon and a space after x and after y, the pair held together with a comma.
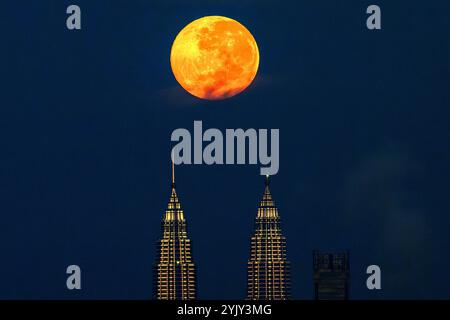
x: 86, y: 123
x: 268, y: 270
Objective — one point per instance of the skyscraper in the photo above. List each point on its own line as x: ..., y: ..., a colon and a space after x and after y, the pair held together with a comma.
x: 268, y: 271
x: 174, y: 270
x: 331, y: 275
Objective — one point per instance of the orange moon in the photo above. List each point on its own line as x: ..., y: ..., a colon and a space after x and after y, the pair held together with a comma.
x: 214, y: 58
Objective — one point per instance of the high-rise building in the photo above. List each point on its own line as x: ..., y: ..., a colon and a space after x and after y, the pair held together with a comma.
x: 268, y: 271
x: 174, y: 270
x: 331, y: 275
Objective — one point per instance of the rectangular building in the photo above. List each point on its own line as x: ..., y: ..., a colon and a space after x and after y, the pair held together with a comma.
x: 331, y: 275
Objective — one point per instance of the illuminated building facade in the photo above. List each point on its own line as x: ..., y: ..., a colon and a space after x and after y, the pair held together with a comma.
x: 174, y: 270
x: 331, y: 275
x: 268, y: 271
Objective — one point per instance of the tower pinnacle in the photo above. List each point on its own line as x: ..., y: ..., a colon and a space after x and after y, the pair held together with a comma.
x: 173, y: 174
x: 173, y: 170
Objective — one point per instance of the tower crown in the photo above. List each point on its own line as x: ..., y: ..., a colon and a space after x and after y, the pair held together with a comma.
x: 174, y: 210
x: 267, y: 208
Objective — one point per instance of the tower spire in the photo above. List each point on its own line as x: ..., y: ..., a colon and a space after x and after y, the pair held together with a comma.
x: 267, y: 181
x: 173, y: 170
x: 173, y: 174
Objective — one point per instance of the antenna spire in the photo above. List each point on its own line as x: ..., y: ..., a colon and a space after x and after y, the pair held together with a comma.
x: 173, y: 171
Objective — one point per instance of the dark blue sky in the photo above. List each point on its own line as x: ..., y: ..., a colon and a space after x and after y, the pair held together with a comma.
x: 85, y: 124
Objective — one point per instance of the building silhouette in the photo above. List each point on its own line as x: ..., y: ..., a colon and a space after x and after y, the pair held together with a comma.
x: 331, y: 275
x: 268, y: 271
x: 174, y: 270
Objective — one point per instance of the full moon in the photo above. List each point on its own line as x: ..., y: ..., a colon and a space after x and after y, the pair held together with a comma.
x: 214, y: 58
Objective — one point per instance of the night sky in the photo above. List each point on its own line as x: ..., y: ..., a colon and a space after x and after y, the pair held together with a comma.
x: 85, y: 124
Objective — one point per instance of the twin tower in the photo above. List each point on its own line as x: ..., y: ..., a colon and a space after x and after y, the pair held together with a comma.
x: 268, y: 271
